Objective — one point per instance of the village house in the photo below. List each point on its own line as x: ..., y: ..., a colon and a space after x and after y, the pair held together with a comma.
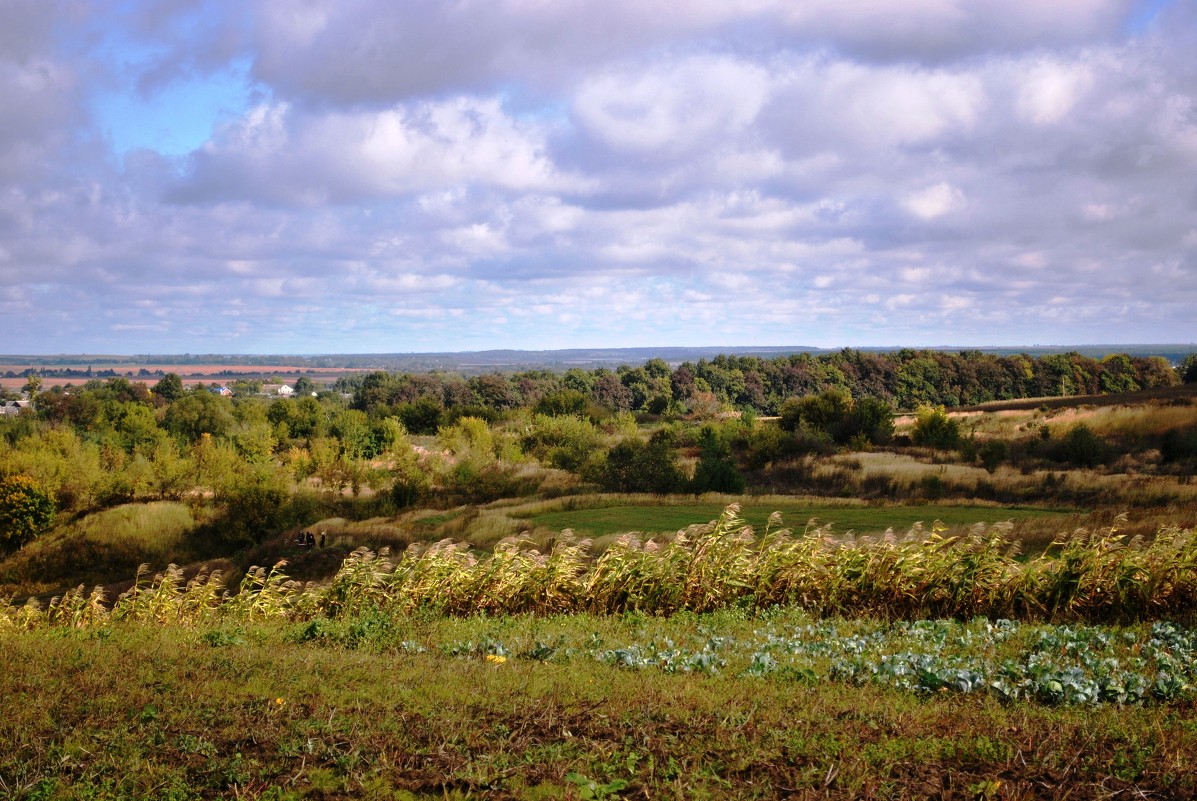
x: 13, y: 407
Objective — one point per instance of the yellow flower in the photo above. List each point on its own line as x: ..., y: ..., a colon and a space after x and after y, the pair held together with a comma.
x: 495, y: 659
x: 279, y: 701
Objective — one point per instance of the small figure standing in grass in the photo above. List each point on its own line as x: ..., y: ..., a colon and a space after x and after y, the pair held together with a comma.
x: 323, y: 539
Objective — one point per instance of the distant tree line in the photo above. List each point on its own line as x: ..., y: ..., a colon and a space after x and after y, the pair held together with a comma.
x: 905, y: 379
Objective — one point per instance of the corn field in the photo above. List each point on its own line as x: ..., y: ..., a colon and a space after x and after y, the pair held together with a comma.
x: 1098, y: 577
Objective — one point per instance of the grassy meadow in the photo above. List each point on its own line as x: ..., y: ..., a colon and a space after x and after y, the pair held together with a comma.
x: 648, y: 517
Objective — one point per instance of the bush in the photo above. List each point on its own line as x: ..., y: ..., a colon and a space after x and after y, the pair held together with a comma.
x: 26, y: 510
x: 993, y: 453
x: 1178, y: 444
x: 1082, y: 448
x: 567, y: 402
x: 835, y: 414
x: 566, y: 443
x: 717, y: 474
x: 715, y: 471
x: 636, y: 466
x: 933, y: 428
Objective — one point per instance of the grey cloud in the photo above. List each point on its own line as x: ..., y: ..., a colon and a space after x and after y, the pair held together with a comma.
x: 723, y: 173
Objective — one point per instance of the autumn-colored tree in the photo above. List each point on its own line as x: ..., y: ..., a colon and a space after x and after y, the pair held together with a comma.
x: 26, y: 510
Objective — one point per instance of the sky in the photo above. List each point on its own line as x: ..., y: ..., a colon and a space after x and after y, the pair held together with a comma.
x: 349, y: 176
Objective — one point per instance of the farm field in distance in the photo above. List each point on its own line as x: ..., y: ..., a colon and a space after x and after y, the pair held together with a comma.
x: 369, y: 592
x: 150, y: 373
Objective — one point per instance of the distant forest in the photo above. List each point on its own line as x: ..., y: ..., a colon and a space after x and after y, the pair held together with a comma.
x: 906, y: 379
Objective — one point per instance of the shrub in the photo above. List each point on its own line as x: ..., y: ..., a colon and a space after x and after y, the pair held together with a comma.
x: 26, y: 510
x: 835, y: 414
x: 566, y: 443
x: 933, y: 428
x: 717, y: 474
x: 993, y: 453
x: 636, y: 466
x: 1179, y: 443
x: 1082, y: 448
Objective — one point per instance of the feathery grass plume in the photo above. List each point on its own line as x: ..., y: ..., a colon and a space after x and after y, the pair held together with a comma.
x: 432, y: 577
x: 557, y: 585
x: 494, y: 584
x: 29, y: 615
x: 201, y: 599
x: 76, y: 610
x: 795, y: 570
x: 155, y: 601
x: 722, y: 564
x: 128, y: 603
x: 517, y: 578
x: 360, y: 584
x: 265, y: 594
x: 631, y: 576
x: 1099, y: 577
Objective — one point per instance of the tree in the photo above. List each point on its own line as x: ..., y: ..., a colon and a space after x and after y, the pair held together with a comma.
x: 1118, y: 374
x: 1187, y: 369
x: 874, y: 418
x: 26, y: 510
x: 1082, y: 448
x: 610, y: 393
x: 33, y: 385
x: 304, y: 386
x: 562, y: 403
x: 170, y: 388
x: 715, y: 471
x: 199, y: 413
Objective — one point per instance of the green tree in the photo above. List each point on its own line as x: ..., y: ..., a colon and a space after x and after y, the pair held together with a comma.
x: 567, y: 443
x: 304, y: 387
x: 563, y: 402
x: 33, y: 385
x: 169, y: 388
x: 715, y: 471
x: 874, y: 419
x: 1118, y: 374
x: 1187, y: 369
x: 199, y: 413
x: 26, y: 510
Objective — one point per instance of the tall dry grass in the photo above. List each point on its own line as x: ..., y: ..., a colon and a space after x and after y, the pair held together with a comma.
x: 1099, y: 576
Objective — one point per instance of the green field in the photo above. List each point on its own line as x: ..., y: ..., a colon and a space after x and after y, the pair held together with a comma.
x: 654, y: 519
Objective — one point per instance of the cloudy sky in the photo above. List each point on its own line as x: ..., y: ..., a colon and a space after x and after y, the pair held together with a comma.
x: 315, y: 176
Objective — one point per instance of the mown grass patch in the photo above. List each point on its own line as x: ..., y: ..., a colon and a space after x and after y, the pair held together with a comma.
x: 651, y: 518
